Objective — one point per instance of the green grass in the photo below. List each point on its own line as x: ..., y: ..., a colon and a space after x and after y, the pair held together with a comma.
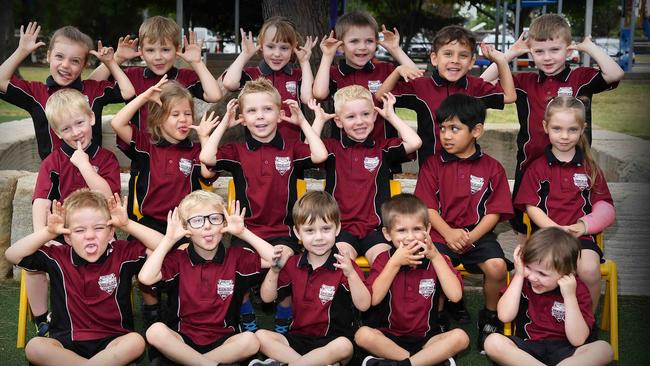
x: 632, y: 309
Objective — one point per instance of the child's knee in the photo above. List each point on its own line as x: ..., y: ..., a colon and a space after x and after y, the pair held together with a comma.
x: 364, y: 336
x: 342, y: 347
x: 495, y: 343
x: 460, y: 338
x: 249, y: 342
x: 156, y: 333
x: 589, y: 272
x: 37, y: 349
x: 495, y: 269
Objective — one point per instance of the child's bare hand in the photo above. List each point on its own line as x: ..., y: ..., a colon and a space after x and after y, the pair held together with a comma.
x: 175, y: 228
x: 387, y: 111
x: 391, y: 39
x: 430, y: 250
x: 319, y: 112
x: 457, y: 240
x: 153, y: 93
x: 234, y: 220
x: 577, y: 229
x: 56, y: 220
x: 296, y: 117
x: 304, y: 53
x: 104, y: 54
x: 329, y: 45
x: 207, y: 125
x: 567, y: 284
x: 127, y: 49
x: 520, y: 47
x: 118, y: 210
x: 248, y: 46
x: 280, y: 257
x: 29, y: 37
x: 409, y: 73
x: 408, y: 254
x: 343, y: 262
x: 585, y: 46
x: 519, y: 263
x: 192, y: 49
x: 79, y: 158
x: 491, y: 53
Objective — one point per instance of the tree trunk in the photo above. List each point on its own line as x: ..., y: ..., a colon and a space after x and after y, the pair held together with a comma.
x: 7, y: 41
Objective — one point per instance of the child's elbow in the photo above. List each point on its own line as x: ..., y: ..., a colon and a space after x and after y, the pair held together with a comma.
x: 509, y: 98
x: 455, y: 296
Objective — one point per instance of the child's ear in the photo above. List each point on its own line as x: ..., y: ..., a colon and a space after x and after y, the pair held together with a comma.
x: 91, y: 118
x: 47, y: 56
x: 242, y: 119
x: 338, y: 229
x: 338, y: 122
x: 433, y: 58
x: 295, y: 231
x: 545, y: 124
x: 386, y: 234
x: 478, y: 130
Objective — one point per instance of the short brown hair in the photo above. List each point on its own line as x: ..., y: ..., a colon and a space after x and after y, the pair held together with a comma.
x: 172, y: 93
x: 403, y: 204
x: 62, y: 103
x: 74, y: 35
x: 85, y: 198
x: 316, y: 205
x: 354, y: 18
x: 560, y: 248
x: 260, y: 85
x: 549, y: 27
x: 285, y: 31
x: 350, y: 93
x: 159, y: 28
x: 454, y: 33
x: 199, y: 197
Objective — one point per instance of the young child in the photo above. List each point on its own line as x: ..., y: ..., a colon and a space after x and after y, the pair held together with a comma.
x: 467, y: 194
x: 326, y: 286
x: 549, y: 43
x: 67, y: 56
x: 452, y: 55
x: 358, y: 166
x: 92, y: 319
x: 550, y: 305
x: 78, y: 163
x: 278, y: 41
x: 402, y: 324
x: 565, y: 187
x: 357, y: 37
x: 210, y: 281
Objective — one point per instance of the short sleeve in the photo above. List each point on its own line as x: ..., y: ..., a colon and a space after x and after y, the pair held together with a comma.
x: 491, y: 94
x: 35, y: 262
x: 592, y: 81
x: 426, y: 187
x: 377, y: 267
x: 402, y: 87
x: 110, y: 171
x: 500, y: 201
x: 528, y: 193
x: 45, y: 187
x: 584, y: 302
x: 171, y: 264
x: 395, y: 151
x: 600, y: 190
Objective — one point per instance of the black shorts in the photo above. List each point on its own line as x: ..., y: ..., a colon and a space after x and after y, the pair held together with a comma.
x: 361, y: 245
x: 87, y: 349
x: 591, y: 245
x: 203, y: 349
x: 303, y: 344
x: 485, y: 248
x: 548, y: 351
x: 289, y: 241
x: 412, y: 345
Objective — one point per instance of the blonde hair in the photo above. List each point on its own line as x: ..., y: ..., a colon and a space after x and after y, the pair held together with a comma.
x: 403, y: 204
x: 172, y: 93
x: 64, y: 102
x: 354, y: 18
x: 285, y: 31
x: 85, y: 198
x: 159, y: 28
x: 196, y: 198
x: 560, y: 248
x: 563, y: 103
x: 315, y: 205
x: 73, y: 34
x: 260, y: 85
x: 549, y: 27
x: 350, y: 93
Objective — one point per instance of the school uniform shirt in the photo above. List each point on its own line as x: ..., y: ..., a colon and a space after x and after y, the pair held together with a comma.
x: 321, y: 299
x: 463, y: 191
x: 208, y: 292
x: 58, y: 177
x: 167, y: 173
x: 358, y: 176
x: 535, y: 90
x: 287, y: 81
x: 410, y: 307
x: 89, y: 300
x: 265, y: 177
x: 32, y: 96
x: 370, y: 76
x: 562, y: 189
x: 425, y: 94
x: 542, y: 316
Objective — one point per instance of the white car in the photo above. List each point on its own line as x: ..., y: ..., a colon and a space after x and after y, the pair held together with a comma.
x: 208, y: 38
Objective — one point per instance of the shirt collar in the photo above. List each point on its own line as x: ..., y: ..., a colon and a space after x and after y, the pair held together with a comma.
x: 77, y: 84
x: 550, y: 157
x: 329, y: 263
x: 346, y: 69
x: 346, y: 141
x: 196, y: 259
x: 171, y: 74
x: 440, y: 81
x: 78, y: 261
x: 253, y: 144
x: 562, y: 75
x: 423, y: 265
x: 447, y: 157
x: 184, y: 144
x: 91, y: 149
x: 267, y: 70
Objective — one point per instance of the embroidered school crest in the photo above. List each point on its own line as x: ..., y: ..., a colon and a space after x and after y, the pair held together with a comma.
x: 373, y: 85
x: 282, y: 164
x: 565, y: 91
x: 581, y: 181
x: 326, y: 293
x: 427, y: 287
x: 475, y: 183
x: 225, y: 288
x: 370, y: 163
x: 185, y: 166
x: 291, y: 87
x: 108, y: 283
x: 558, y: 311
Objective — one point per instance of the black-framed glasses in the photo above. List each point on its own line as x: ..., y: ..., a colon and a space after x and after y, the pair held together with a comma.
x: 197, y: 222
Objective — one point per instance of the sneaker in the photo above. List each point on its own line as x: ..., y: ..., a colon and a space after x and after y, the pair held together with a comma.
x: 249, y: 323
x: 488, y: 323
x: 281, y: 325
x: 458, y: 311
x: 376, y: 361
x: 444, y: 321
x: 268, y: 361
x: 43, y: 328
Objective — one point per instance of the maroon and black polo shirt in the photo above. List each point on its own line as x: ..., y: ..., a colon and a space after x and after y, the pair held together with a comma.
x: 541, y: 316
x: 463, y: 191
x: 287, y: 81
x: 167, y: 173
x: 209, y: 291
x: 424, y: 95
x: 561, y: 189
x: 89, y: 300
x: 358, y: 177
x: 58, y: 177
x: 265, y: 176
x: 410, y: 307
x: 321, y: 299
x: 32, y: 96
x: 535, y: 90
